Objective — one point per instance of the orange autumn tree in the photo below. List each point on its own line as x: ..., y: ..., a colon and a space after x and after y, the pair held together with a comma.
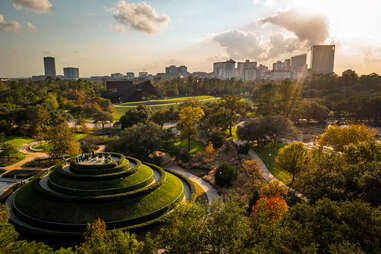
x: 271, y: 204
x: 209, y: 151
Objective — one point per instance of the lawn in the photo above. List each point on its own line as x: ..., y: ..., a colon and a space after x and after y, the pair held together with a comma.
x: 121, y: 109
x: 196, y: 146
x: 16, y: 140
x: 14, y: 158
x: 43, y: 146
x: 79, y: 136
x: 68, y: 211
x: 268, y: 154
x: 167, y: 101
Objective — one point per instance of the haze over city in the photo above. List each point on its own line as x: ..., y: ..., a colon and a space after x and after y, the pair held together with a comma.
x: 103, y: 37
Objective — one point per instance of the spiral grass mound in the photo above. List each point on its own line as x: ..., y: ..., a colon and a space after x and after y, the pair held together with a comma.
x: 120, y: 190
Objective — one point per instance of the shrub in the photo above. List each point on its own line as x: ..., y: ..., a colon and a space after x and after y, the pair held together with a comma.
x: 217, y: 139
x: 225, y: 174
x: 244, y: 149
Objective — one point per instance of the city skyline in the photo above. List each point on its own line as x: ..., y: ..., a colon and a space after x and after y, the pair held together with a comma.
x: 109, y: 37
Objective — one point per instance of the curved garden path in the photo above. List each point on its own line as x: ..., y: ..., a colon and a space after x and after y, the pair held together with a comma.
x: 30, y: 155
x: 210, y: 192
x: 265, y: 172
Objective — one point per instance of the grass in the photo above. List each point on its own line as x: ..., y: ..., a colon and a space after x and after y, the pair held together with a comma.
x: 79, y: 136
x: 16, y: 140
x: 45, y: 208
x: 121, y: 109
x: 268, y: 154
x: 196, y: 146
x: 43, y: 146
x: 142, y: 174
x: 167, y: 101
x: 200, y: 194
x: 12, y: 159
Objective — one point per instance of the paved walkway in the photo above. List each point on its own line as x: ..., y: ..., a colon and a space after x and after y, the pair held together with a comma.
x: 30, y: 155
x: 207, y: 187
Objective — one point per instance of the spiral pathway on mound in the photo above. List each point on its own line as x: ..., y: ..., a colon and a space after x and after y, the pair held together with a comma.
x: 122, y: 191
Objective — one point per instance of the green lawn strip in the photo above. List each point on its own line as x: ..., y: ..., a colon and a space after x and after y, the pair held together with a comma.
x: 79, y: 136
x: 16, y: 140
x: 196, y: 146
x: 43, y: 146
x: 143, y: 173
x: 14, y: 158
x: 167, y: 101
x: 42, y: 207
x: 268, y: 154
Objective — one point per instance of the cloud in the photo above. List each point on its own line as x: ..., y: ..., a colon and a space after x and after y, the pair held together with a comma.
x: 36, y: 6
x: 310, y: 28
x: 30, y: 27
x: 12, y: 26
x: 140, y: 17
x: 240, y: 45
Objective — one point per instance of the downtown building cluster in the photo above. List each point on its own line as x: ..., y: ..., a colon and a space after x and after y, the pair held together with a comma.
x: 322, y: 62
x: 70, y: 73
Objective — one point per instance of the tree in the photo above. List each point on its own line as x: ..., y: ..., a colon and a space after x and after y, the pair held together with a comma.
x: 209, y: 151
x: 141, y: 114
x: 225, y: 174
x: 292, y: 158
x: 103, y: 117
x: 189, y: 116
x: 272, y: 207
x: 61, y: 139
x: 141, y: 140
x: 232, y: 108
x: 7, y: 150
x: 162, y: 116
x: 267, y: 128
x: 338, y: 137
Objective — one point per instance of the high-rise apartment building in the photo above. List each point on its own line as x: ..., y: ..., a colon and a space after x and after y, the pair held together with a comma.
x: 50, y: 67
x: 173, y: 72
x: 224, y: 70
x: 130, y: 75
x: 299, y: 63
x: 322, y: 59
x: 71, y: 73
x: 247, y: 70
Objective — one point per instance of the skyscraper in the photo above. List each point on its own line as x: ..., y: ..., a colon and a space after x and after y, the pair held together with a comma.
x: 50, y: 67
x: 322, y: 59
x: 71, y: 73
x: 298, y: 63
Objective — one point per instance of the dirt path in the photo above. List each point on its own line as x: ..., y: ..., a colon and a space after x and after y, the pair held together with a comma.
x: 30, y: 155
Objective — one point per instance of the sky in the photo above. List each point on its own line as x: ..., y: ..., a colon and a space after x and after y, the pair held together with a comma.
x: 109, y: 36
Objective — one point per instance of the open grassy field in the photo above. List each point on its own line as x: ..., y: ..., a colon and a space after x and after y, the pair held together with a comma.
x: 16, y: 140
x: 196, y: 146
x: 168, y: 101
x: 121, y: 109
x: 268, y: 155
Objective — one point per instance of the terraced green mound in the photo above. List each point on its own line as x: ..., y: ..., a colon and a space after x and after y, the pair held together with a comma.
x: 120, y: 190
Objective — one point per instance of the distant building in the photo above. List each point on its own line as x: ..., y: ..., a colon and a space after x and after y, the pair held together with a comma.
x: 280, y: 75
x: 71, y: 73
x: 247, y: 70
x: 224, y: 70
x: 38, y: 78
x: 143, y: 75
x: 262, y: 72
x: 173, y: 72
x: 322, y: 59
x: 117, y: 76
x: 126, y: 91
x: 299, y: 67
x: 50, y: 67
x: 130, y: 75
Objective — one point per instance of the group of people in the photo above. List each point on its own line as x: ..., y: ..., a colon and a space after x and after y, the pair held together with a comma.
x: 85, y: 157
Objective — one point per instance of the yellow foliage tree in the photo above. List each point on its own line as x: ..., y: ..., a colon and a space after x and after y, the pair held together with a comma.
x: 338, y: 137
x: 209, y: 151
x: 189, y: 116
